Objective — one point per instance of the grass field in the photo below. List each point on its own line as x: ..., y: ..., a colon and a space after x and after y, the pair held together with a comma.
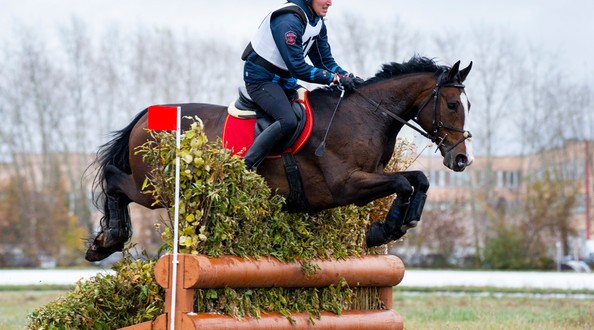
x: 16, y: 305
x: 469, y: 312
x: 423, y: 311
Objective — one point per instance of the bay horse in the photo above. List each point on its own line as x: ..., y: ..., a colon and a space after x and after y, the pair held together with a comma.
x: 357, y: 147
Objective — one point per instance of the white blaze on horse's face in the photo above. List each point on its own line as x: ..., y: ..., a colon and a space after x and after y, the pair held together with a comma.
x: 467, y: 142
x: 456, y: 147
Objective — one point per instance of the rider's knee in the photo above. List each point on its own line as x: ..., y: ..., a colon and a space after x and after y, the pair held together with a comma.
x: 288, y: 126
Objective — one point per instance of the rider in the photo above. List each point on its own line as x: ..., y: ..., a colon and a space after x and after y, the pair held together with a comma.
x: 275, y: 59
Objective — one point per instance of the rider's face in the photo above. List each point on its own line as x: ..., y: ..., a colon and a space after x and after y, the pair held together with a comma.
x: 320, y: 7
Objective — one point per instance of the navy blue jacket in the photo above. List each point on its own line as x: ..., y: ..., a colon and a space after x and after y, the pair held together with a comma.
x: 320, y: 55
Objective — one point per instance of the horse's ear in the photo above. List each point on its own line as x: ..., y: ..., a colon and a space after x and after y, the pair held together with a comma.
x: 453, y: 71
x: 464, y: 72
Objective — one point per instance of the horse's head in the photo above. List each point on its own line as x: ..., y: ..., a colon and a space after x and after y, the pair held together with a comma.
x: 444, y: 117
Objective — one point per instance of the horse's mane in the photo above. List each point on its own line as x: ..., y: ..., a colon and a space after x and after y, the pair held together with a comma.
x: 417, y: 64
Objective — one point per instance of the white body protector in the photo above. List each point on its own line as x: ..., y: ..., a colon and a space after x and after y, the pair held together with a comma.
x: 264, y: 45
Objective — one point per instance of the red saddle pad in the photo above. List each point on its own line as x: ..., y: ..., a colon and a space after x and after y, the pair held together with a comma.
x: 238, y: 133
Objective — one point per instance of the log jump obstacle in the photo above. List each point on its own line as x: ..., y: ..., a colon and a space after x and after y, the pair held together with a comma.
x: 202, y: 272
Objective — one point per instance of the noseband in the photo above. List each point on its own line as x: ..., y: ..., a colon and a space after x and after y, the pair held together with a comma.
x: 437, y: 123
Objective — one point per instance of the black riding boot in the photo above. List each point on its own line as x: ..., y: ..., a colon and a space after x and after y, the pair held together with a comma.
x: 262, y: 146
x: 391, y: 229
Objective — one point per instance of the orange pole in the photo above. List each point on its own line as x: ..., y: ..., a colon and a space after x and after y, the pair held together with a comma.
x: 184, y: 298
x: 349, y: 320
x: 201, y: 272
x: 198, y: 271
x: 386, y: 297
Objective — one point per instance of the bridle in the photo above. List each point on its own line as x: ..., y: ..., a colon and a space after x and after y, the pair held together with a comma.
x: 437, y: 123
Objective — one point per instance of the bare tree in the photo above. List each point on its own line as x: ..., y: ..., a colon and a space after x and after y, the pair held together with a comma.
x: 78, y: 79
x: 493, y: 90
x: 31, y: 92
x: 362, y: 46
x: 68, y: 97
x: 556, y: 109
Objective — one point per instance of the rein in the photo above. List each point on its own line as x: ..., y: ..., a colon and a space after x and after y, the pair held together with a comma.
x: 437, y: 123
x: 322, y: 147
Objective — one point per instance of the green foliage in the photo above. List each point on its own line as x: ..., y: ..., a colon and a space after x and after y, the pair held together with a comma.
x: 506, y: 250
x: 509, y: 250
x: 224, y: 210
x: 525, y: 241
x: 34, y: 220
x: 550, y: 199
x: 107, y: 301
x: 243, y: 302
x: 227, y: 210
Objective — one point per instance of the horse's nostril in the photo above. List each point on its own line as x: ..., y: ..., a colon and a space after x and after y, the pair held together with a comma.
x: 461, y: 160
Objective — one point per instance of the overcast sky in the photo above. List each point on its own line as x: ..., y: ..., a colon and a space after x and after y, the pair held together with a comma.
x: 562, y: 27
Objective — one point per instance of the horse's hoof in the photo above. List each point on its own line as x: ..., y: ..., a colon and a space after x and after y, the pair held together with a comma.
x: 397, y: 234
x: 376, y: 235
x: 110, y: 237
x: 98, y: 253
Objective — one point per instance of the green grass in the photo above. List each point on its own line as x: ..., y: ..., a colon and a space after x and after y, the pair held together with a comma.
x: 493, y: 290
x: 16, y: 304
x: 469, y: 312
x: 424, y: 311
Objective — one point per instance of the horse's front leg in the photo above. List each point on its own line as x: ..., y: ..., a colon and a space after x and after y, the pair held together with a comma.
x: 420, y: 184
x: 405, y: 212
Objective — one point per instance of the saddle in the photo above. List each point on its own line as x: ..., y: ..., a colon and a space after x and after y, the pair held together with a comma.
x: 246, y: 120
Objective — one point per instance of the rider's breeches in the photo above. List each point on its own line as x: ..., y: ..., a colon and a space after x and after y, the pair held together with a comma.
x: 271, y: 97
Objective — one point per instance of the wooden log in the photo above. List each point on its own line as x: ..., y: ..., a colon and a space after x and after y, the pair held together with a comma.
x: 202, y: 272
x: 349, y: 320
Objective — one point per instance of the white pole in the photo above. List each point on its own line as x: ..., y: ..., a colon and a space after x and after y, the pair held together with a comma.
x: 175, y: 220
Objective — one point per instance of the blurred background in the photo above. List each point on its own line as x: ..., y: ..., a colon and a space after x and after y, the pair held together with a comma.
x: 72, y: 72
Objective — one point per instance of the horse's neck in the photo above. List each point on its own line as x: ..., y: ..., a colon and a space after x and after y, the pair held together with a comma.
x: 401, y: 97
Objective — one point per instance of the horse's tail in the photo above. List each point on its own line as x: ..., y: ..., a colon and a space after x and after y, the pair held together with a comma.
x: 114, y: 153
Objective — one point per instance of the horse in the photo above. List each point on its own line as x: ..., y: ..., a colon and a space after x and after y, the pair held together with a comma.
x: 356, y: 132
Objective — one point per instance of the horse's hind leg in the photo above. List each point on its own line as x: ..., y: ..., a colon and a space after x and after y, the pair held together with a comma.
x: 116, y: 227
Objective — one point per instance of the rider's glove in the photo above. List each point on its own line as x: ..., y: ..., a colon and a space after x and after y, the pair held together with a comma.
x: 357, y: 80
x: 347, y: 82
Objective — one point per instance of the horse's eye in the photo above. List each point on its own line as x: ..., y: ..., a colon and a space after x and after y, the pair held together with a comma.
x: 453, y: 106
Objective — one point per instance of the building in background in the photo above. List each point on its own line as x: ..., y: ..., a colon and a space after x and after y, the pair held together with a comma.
x: 504, y: 179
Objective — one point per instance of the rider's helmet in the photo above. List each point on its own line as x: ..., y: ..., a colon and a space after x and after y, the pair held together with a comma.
x: 309, y: 2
